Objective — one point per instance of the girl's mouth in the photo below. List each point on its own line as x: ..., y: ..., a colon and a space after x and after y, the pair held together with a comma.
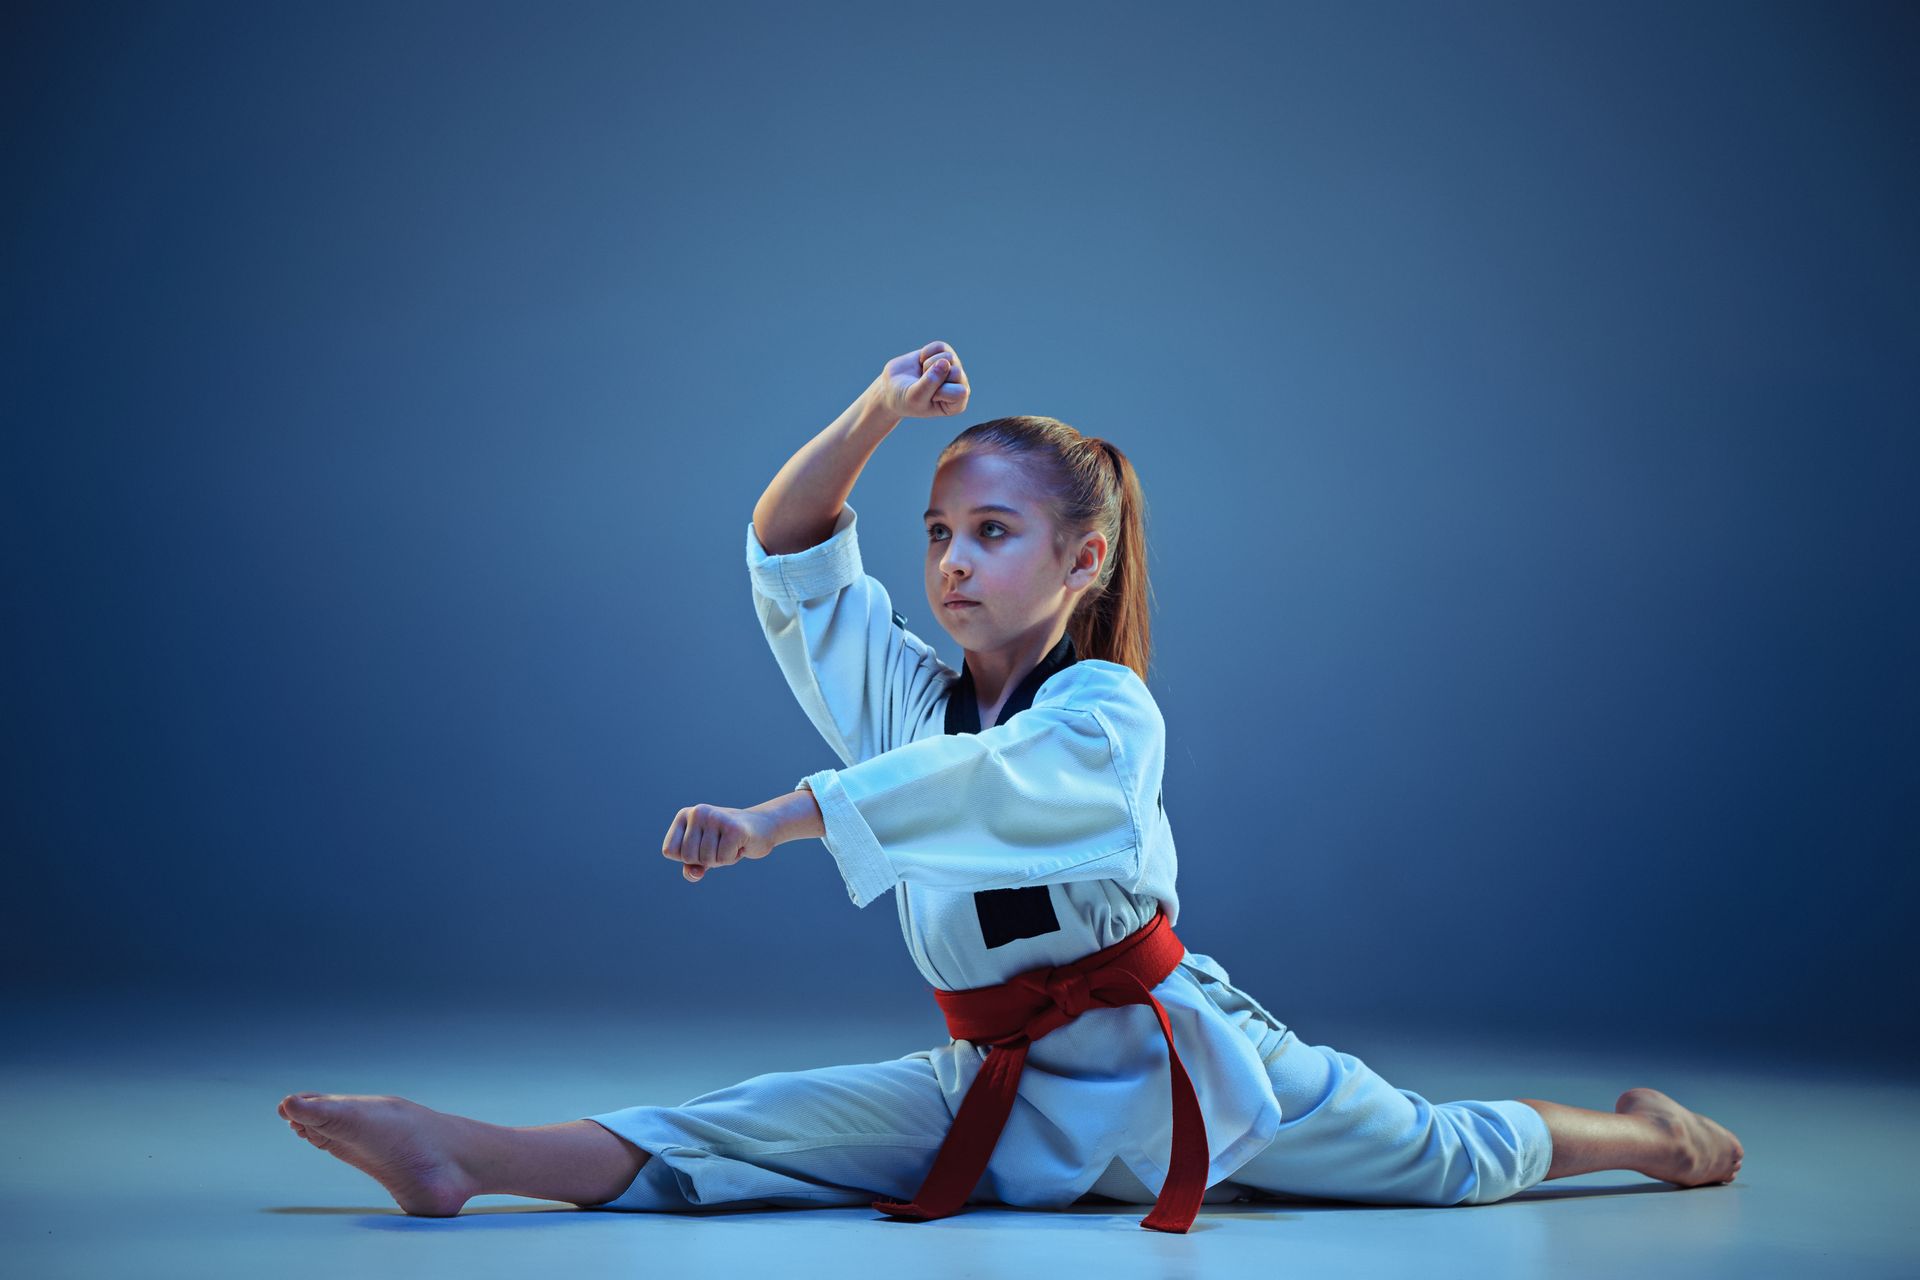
x: 962, y: 604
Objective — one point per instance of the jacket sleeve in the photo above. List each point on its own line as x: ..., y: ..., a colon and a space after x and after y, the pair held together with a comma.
x: 1062, y: 791
x: 859, y: 675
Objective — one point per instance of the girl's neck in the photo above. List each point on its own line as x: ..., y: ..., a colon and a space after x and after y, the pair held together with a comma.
x: 996, y: 674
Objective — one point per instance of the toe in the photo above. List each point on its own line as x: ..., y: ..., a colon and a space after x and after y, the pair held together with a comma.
x: 308, y: 1108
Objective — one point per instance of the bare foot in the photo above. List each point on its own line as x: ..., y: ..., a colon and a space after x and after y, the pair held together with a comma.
x: 1704, y: 1152
x: 406, y: 1147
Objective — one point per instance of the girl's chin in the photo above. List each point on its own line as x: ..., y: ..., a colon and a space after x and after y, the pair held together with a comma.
x: 959, y: 623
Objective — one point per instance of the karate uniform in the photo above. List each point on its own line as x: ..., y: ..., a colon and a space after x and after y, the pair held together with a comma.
x: 1029, y: 843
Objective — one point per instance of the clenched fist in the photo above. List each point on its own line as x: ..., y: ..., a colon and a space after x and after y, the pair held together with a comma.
x: 928, y: 383
x: 712, y: 835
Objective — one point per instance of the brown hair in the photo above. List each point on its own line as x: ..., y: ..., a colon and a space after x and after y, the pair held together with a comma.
x: 1086, y: 485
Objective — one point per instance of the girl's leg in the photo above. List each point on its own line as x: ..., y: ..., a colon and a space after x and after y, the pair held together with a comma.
x: 432, y: 1162
x: 1647, y: 1132
x: 836, y: 1135
x: 1347, y: 1134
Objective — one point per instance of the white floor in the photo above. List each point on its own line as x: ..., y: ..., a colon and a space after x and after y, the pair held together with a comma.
x: 140, y: 1140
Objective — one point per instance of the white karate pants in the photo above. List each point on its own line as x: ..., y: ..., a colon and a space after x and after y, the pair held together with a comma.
x: 846, y: 1135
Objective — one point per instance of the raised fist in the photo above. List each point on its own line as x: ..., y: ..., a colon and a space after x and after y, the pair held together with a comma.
x: 928, y: 383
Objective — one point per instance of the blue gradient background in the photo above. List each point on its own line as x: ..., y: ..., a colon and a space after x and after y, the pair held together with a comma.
x: 1524, y: 398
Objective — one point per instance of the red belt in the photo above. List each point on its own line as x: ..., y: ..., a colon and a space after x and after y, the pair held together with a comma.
x: 1012, y: 1015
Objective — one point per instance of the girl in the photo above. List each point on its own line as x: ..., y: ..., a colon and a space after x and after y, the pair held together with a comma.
x: 1014, y: 809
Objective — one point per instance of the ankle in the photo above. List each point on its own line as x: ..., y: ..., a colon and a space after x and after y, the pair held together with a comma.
x: 1666, y: 1145
x: 483, y: 1153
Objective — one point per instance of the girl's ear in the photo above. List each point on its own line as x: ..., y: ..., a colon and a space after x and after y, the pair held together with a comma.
x: 1090, y: 555
x: 1083, y: 554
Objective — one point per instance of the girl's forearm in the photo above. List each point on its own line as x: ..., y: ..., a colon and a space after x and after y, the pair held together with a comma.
x: 796, y: 816
x: 799, y: 507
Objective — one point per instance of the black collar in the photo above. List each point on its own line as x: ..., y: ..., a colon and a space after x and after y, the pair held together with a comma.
x: 963, y: 706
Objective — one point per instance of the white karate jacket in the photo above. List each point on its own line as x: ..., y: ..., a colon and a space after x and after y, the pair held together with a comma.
x: 1034, y: 842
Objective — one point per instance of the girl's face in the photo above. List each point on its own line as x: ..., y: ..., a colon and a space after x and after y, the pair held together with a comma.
x: 1003, y: 557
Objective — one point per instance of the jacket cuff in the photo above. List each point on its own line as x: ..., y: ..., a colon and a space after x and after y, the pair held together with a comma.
x: 819, y: 570
x: 863, y: 864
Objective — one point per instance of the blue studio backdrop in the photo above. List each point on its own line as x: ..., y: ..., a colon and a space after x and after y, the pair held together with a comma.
x: 1524, y: 398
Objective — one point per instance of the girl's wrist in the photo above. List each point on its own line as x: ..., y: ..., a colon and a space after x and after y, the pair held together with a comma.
x: 796, y: 816
x: 872, y: 411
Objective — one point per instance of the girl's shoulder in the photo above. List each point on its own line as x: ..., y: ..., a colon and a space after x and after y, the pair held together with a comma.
x: 1113, y: 688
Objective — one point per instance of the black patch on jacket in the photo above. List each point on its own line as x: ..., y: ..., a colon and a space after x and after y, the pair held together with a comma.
x: 1007, y: 915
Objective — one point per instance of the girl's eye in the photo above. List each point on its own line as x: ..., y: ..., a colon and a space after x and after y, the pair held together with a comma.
x: 989, y: 524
